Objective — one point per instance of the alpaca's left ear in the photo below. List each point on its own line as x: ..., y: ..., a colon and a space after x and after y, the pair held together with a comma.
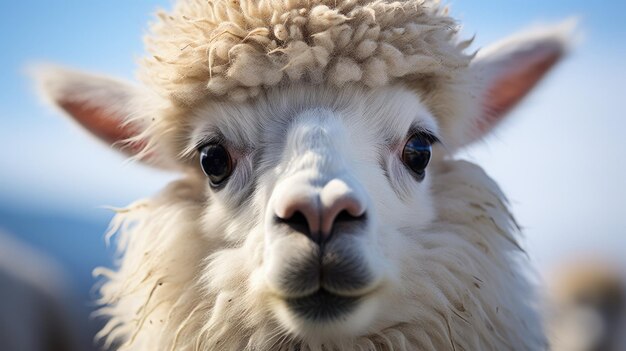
x: 508, y: 70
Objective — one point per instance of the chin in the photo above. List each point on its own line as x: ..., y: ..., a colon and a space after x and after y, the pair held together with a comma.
x: 326, y: 317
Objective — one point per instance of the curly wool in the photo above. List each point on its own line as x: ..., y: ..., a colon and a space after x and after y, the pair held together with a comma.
x: 236, y: 48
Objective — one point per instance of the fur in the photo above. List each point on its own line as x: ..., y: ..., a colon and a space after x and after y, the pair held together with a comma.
x: 238, y: 48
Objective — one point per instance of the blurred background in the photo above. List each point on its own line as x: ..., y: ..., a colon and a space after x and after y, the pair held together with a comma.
x: 560, y: 157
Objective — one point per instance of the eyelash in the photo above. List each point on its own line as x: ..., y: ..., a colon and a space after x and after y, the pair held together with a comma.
x: 398, y: 145
x: 216, y: 138
x: 424, y: 133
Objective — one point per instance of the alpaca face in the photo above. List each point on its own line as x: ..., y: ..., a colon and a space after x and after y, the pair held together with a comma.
x: 328, y: 186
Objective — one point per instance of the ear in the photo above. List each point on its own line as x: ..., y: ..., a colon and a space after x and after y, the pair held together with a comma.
x: 114, y: 111
x: 507, y: 71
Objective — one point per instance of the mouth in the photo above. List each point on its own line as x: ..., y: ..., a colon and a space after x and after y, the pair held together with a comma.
x: 322, y: 305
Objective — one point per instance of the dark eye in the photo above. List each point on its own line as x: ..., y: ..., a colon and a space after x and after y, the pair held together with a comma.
x: 216, y: 163
x: 416, y: 153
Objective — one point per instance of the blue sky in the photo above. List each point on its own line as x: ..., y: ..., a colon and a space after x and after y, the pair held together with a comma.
x: 559, y: 157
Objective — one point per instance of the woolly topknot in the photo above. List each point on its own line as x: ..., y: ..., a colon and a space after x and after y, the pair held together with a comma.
x: 236, y: 48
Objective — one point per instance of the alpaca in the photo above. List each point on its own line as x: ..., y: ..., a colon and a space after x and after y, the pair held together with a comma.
x: 587, y: 304
x: 320, y: 206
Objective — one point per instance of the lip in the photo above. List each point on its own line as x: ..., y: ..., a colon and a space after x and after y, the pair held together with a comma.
x: 322, y: 305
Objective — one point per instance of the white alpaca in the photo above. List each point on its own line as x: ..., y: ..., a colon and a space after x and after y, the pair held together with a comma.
x: 320, y: 206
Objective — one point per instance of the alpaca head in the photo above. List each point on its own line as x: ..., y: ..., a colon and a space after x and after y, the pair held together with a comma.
x: 321, y: 196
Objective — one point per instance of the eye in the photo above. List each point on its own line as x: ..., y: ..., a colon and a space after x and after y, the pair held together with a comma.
x: 216, y: 163
x: 416, y: 153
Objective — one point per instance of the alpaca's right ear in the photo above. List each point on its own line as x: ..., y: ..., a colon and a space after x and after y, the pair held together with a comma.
x: 112, y: 110
x: 505, y: 72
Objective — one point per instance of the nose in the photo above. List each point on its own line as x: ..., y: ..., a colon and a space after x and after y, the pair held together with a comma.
x: 316, y: 212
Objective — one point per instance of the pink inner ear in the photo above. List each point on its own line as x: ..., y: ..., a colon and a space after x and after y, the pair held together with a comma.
x: 103, y: 125
x: 509, y: 89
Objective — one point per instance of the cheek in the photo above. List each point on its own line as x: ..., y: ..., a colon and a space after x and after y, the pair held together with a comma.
x: 400, y: 200
x: 219, y: 207
x: 417, y: 210
x: 392, y: 214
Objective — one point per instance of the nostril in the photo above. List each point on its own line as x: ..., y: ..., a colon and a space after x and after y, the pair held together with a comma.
x: 345, y: 216
x: 344, y: 222
x: 297, y: 222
